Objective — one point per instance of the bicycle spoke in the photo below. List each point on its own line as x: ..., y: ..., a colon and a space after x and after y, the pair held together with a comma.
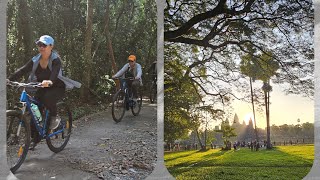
x: 57, y: 142
x: 118, y: 106
x: 137, y: 107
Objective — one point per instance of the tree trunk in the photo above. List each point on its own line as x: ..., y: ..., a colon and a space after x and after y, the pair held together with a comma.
x: 109, y: 42
x: 87, y: 52
x: 205, y: 134
x: 108, y: 37
x: 205, y: 139
x: 121, y: 12
x: 25, y: 29
x: 266, y: 99
x: 69, y: 45
x: 254, y: 113
x: 268, y: 122
x: 199, y: 139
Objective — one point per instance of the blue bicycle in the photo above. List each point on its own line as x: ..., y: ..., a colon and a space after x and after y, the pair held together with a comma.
x: 21, y: 118
x: 123, y: 100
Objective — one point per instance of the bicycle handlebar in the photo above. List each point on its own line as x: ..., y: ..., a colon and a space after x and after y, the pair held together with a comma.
x: 131, y: 78
x: 26, y: 85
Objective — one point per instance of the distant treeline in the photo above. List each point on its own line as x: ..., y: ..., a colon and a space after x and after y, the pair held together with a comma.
x: 280, y: 135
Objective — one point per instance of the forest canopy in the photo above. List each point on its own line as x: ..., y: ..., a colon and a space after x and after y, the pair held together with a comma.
x: 83, y: 31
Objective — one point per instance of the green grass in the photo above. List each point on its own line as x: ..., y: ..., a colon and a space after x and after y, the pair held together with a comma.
x: 283, y: 162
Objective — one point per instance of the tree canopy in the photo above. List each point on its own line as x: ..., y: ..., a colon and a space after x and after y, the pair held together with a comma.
x: 211, y: 38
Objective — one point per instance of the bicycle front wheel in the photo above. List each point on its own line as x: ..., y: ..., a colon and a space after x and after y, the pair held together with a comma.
x: 18, y: 139
x: 118, y: 106
x: 136, y: 107
x: 58, y: 142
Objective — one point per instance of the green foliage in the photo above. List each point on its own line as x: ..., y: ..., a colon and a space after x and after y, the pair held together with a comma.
x: 295, y: 163
x: 85, y: 109
x: 105, y: 86
x: 230, y: 29
x: 259, y: 67
x: 80, y: 112
x: 227, y: 132
x: 176, y: 127
x: 180, y: 97
x: 210, y: 136
x: 293, y: 132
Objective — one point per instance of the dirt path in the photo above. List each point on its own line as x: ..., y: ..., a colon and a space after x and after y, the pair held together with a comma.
x: 99, y: 148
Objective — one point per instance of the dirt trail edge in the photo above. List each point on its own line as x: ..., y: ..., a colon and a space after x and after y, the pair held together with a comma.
x: 99, y: 148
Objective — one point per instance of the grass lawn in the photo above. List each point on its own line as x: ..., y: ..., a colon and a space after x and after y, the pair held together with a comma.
x: 283, y: 162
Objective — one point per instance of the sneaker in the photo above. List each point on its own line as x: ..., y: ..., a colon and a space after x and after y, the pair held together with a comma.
x: 34, y: 142
x: 32, y: 145
x: 54, y: 123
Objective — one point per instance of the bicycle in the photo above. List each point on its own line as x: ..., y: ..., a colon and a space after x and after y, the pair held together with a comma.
x: 20, y: 119
x: 123, y: 100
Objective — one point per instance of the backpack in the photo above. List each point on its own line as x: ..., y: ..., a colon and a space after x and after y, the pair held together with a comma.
x: 129, y: 74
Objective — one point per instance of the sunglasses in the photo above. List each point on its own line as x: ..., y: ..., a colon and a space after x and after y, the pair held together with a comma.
x: 41, y: 45
x: 130, y: 61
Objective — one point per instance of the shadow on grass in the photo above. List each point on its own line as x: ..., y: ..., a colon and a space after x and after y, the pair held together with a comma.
x: 296, y: 156
x: 184, y: 154
x: 208, y: 157
x: 217, y: 154
x: 210, y: 166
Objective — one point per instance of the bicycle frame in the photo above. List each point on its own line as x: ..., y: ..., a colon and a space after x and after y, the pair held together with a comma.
x: 123, y: 100
x: 26, y: 101
x: 124, y: 87
x: 20, y: 144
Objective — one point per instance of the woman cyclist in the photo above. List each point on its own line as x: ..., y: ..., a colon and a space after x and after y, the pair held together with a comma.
x: 45, y: 67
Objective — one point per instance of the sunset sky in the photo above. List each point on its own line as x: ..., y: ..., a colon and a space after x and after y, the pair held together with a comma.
x: 284, y: 109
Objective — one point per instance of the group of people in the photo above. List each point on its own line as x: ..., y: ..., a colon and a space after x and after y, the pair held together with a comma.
x: 253, y: 145
x: 46, y: 68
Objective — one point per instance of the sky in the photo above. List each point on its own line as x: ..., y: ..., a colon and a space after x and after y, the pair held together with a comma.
x: 284, y: 109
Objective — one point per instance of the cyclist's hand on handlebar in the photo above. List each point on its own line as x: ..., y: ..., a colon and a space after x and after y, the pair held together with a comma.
x: 7, y: 81
x: 46, y: 83
x: 137, y: 77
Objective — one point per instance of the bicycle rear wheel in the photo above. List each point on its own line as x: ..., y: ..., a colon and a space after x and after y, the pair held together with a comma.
x: 118, y: 106
x: 58, y: 142
x: 18, y: 139
x: 136, y: 107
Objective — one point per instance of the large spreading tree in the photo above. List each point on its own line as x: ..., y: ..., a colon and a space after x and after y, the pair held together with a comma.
x: 210, y: 36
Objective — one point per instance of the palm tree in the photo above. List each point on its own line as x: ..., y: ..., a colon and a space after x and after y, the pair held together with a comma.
x: 261, y: 67
x: 267, y: 88
x: 247, y: 68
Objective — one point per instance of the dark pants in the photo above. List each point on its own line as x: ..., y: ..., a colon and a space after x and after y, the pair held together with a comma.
x: 49, y: 97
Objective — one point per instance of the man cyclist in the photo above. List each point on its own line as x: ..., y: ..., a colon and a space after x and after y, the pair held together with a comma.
x: 131, y: 69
